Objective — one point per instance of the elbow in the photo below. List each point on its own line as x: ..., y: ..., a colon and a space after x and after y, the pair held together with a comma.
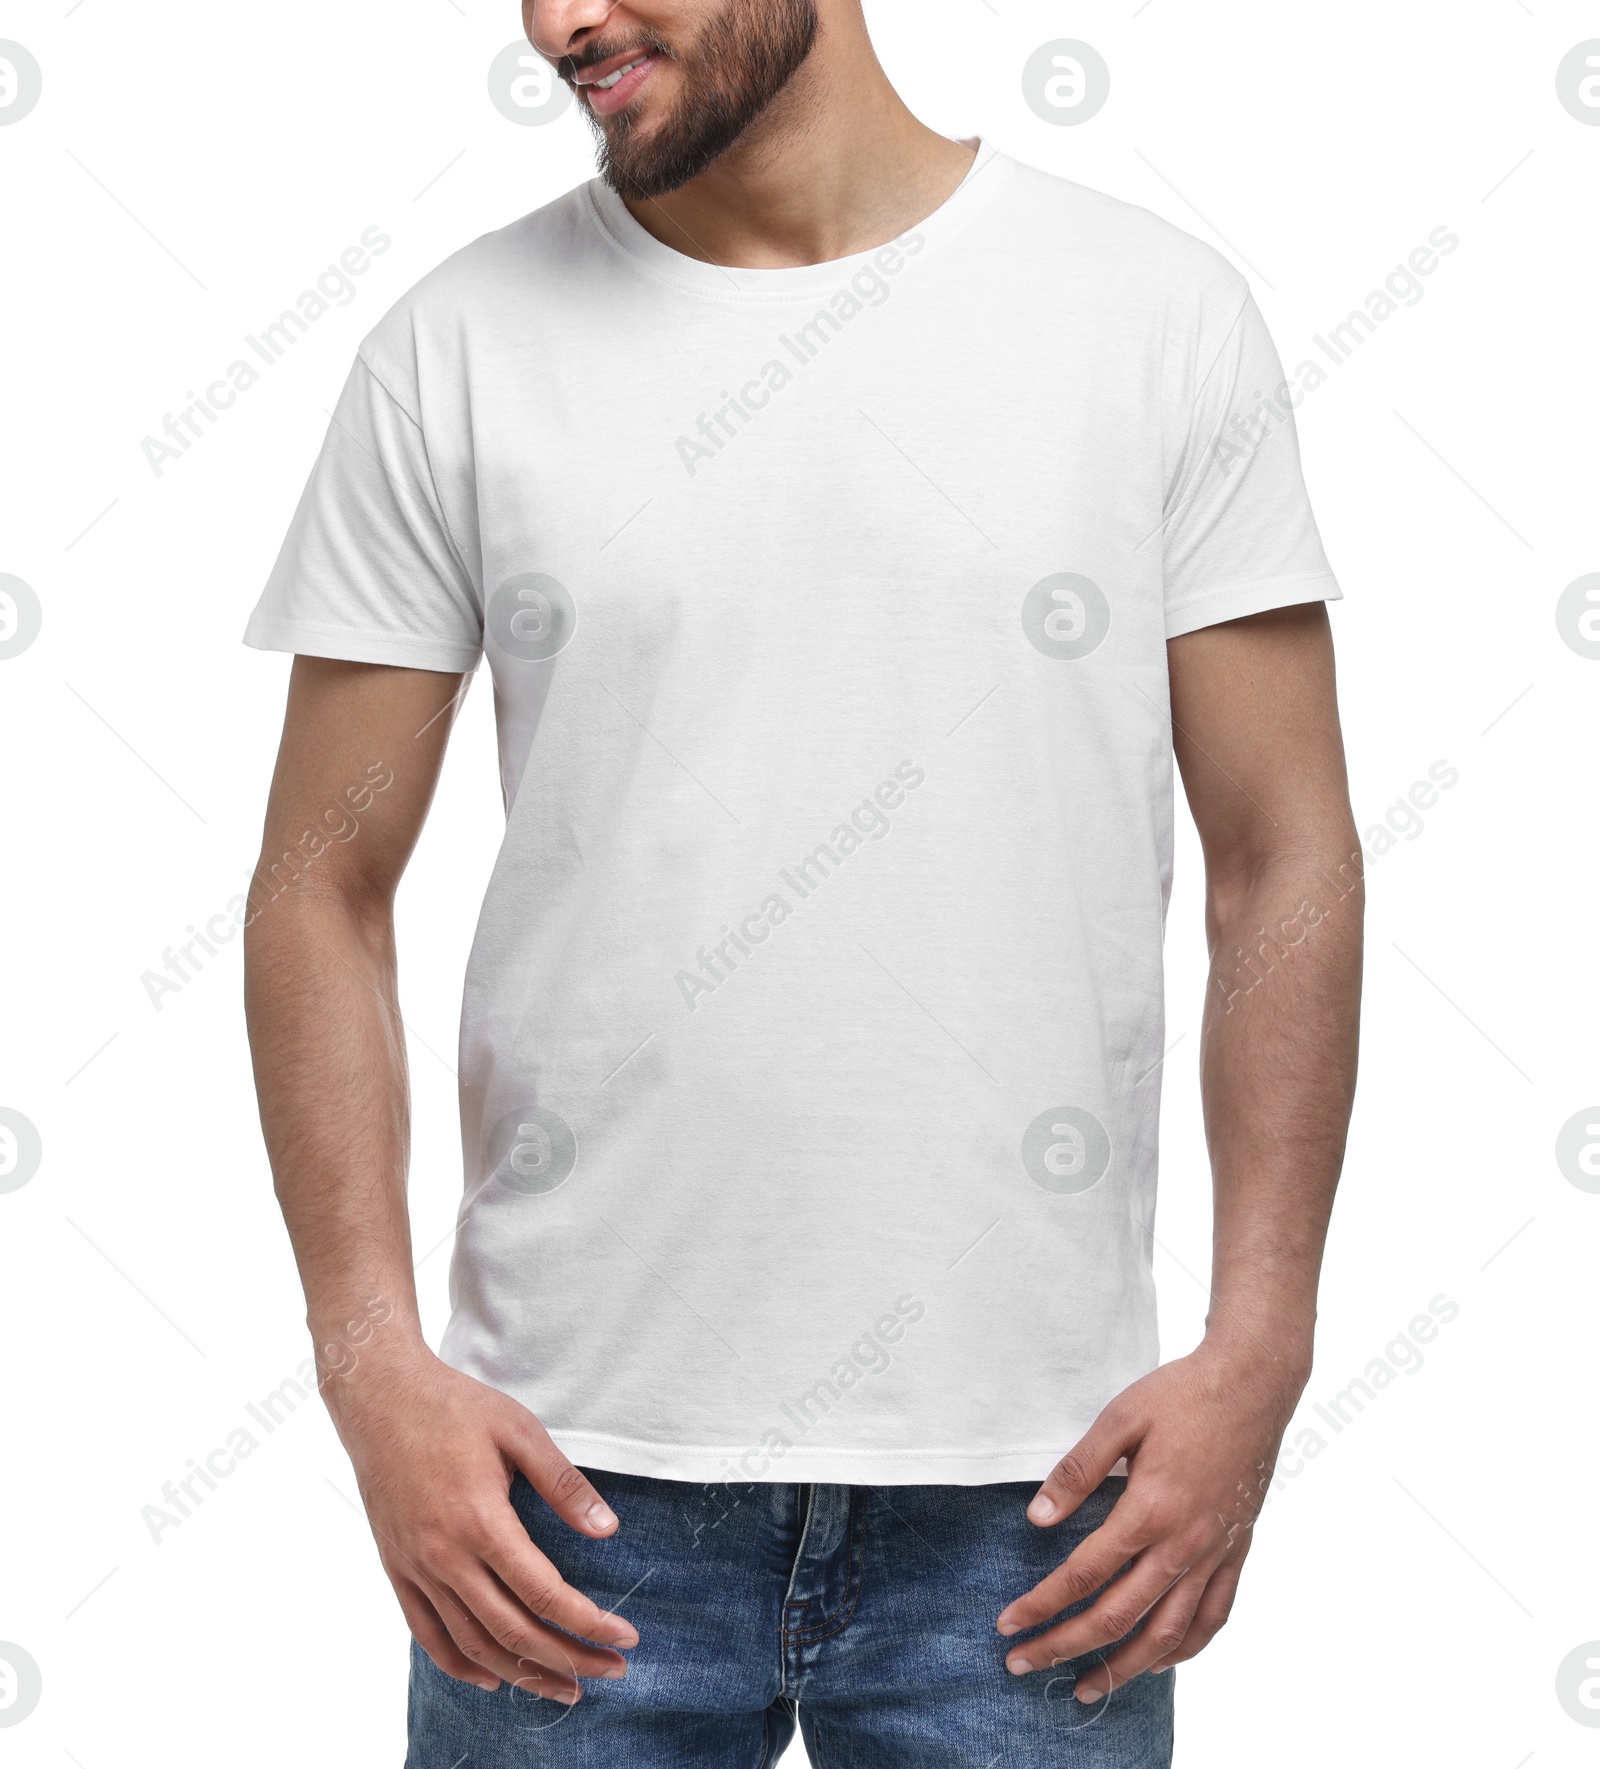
x: 1296, y: 884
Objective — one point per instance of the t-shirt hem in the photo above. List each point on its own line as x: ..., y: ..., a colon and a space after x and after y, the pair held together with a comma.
x: 353, y: 645
x: 742, y: 1464
x: 1214, y: 606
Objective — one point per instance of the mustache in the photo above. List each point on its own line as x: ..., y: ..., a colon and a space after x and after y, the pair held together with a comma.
x: 568, y: 67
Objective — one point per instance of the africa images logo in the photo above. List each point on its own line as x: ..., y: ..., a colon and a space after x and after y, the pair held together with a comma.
x: 21, y: 616
x: 869, y: 821
x: 531, y: 617
x: 1066, y: 82
x: 20, y: 1683
x: 532, y: 1150
x: 869, y: 287
x: 21, y: 1149
x: 20, y: 82
x: 1066, y: 616
x: 1066, y: 1149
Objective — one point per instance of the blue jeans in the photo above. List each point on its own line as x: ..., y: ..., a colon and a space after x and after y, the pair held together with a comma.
x: 866, y: 1612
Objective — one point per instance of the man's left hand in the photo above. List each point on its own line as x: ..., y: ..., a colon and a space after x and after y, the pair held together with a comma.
x: 1201, y: 1437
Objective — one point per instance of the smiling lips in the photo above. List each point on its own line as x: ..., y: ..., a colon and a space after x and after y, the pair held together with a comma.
x: 609, y: 85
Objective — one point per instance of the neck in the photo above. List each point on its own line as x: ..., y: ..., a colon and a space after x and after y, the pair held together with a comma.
x: 835, y: 165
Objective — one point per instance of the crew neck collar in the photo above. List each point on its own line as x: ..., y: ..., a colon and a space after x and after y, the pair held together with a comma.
x: 739, y: 283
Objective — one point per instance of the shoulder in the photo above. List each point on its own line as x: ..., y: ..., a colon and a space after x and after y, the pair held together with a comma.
x: 1147, y: 260
x: 494, y: 281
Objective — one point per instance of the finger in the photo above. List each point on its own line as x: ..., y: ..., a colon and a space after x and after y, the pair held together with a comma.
x: 1162, y: 1633
x: 480, y: 1611
x: 1081, y: 1469
x: 1096, y: 1561
x: 552, y: 1675
x: 1114, y: 1614
x: 526, y: 1637
x: 564, y: 1488
x: 1209, y: 1618
x: 541, y: 1591
x: 434, y: 1637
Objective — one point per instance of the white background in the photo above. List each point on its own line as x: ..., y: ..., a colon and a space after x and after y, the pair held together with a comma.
x: 190, y: 169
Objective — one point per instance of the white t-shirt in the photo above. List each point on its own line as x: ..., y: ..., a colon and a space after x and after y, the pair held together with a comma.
x: 810, y: 1051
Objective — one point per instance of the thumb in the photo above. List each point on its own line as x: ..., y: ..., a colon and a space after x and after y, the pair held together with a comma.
x: 1081, y: 1469
x: 564, y: 1488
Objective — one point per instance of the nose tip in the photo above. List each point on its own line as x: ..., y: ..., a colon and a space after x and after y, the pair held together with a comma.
x: 558, y: 28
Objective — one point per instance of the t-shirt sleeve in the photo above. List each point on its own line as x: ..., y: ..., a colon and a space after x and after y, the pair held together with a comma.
x: 1238, y: 535
x: 369, y: 570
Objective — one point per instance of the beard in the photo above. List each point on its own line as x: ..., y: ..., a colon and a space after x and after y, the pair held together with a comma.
x: 735, y: 69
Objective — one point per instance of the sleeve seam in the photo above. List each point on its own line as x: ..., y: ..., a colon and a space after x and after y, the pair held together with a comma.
x: 362, y: 644
x: 387, y: 391
x: 1255, y: 583
x: 1194, y: 406
x: 291, y: 623
x: 427, y: 455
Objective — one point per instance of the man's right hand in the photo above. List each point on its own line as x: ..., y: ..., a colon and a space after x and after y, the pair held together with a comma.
x: 434, y: 1451
x: 434, y: 1454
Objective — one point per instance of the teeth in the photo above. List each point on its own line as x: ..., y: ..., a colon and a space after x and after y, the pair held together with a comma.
x: 610, y: 80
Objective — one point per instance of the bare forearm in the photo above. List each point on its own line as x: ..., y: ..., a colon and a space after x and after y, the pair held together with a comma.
x: 330, y: 1069
x: 1278, y: 1078
x: 434, y: 1451
x: 1256, y: 734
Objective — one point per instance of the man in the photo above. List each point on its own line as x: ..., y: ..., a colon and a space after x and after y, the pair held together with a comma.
x: 854, y: 522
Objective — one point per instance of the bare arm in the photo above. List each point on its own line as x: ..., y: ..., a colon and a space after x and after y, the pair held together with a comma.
x: 434, y: 1451
x: 1256, y: 733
